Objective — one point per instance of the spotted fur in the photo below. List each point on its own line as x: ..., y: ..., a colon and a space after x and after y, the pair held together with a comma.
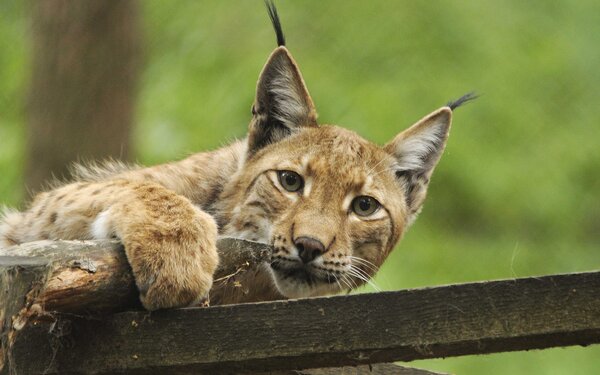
x: 169, y: 216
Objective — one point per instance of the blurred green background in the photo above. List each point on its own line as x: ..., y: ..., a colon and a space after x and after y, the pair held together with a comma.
x: 517, y: 191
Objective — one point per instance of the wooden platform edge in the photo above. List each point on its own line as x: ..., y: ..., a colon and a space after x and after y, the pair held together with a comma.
x: 453, y: 320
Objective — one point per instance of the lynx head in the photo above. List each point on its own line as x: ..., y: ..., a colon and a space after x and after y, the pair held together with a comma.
x: 332, y: 204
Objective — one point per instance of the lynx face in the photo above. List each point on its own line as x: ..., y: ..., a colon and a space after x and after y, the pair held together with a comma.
x: 331, y: 203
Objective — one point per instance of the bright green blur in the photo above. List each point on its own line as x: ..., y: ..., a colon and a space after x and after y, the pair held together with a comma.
x: 517, y: 192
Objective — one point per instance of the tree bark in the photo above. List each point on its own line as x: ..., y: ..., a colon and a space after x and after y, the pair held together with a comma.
x: 82, y: 92
x: 92, y: 278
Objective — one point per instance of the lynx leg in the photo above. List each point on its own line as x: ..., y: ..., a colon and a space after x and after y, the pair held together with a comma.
x: 170, y: 244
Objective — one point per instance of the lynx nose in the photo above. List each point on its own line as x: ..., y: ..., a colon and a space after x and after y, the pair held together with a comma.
x: 308, y: 248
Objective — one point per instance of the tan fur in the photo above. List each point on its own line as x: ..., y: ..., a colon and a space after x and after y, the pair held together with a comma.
x: 168, y: 216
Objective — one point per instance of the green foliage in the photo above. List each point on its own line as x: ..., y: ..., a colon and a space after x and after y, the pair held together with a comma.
x: 515, y: 194
x: 13, y: 72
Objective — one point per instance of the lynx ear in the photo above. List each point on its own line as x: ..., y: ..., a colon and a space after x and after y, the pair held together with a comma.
x: 417, y: 151
x: 282, y: 103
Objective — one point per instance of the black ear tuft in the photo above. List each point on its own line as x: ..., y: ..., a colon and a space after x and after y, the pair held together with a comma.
x: 453, y: 104
x: 275, y: 21
x: 282, y: 105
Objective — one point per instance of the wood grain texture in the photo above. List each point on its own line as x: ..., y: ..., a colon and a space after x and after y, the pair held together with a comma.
x: 94, y: 277
x: 474, y: 318
x: 375, y: 369
x: 18, y: 278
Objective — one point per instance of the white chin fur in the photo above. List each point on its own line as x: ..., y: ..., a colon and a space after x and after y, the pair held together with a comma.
x: 291, y: 288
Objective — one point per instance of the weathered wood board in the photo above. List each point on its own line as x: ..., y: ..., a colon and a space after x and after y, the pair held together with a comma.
x: 473, y: 318
x: 94, y: 277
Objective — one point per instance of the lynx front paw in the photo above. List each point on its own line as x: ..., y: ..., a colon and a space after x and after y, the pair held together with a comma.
x: 173, y: 263
x: 175, y: 289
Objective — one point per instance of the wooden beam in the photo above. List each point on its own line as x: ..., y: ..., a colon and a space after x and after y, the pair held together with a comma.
x: 18, y: 276
x: 376, y: 369
x: 94, y: 277
x: 473, y: 318
x: 85, y: 278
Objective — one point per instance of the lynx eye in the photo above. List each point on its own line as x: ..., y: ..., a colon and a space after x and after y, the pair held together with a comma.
x: 365, y: 206
x: 291, y: 181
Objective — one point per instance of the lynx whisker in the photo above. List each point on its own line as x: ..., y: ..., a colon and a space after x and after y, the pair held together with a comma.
x: 361, y: 271
x: 350, y: 282
x: 338, y: 282
x: 364, y: 262
x: 359, y: 274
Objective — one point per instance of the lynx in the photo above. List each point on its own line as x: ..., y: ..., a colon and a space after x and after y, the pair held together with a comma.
x: 331, y: 204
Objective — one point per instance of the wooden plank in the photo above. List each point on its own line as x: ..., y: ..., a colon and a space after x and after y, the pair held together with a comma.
x: 376, y: 369
x: 86, y: 278
x: 18, y: 278
x: 474, y: 318
x: 94, y: 277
